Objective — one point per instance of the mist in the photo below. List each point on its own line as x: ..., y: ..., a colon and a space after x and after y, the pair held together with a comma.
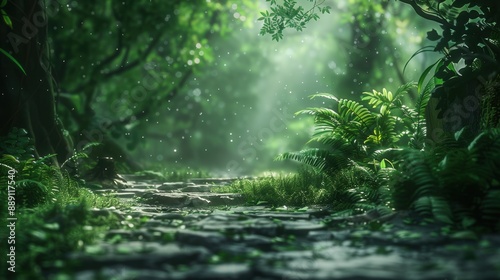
x: 238, y: 115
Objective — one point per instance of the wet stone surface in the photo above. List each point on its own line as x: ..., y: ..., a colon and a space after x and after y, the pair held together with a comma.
x: 181, y: 230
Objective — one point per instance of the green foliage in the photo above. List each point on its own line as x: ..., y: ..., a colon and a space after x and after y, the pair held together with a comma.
x: 289, y: 15
x: 455, y: 184
x: 82, y: 154
x: 52, y: 211
x: 5, y: 16
x: 353, y: 189
x: 138, y: 64
x: 36, y: 182
x: 50, y: 206
x: 46, y: 234
x: 468, y: 41
x: 355, y: 134
x: 174, y: 173
x: 18, y: 143
x: 13, y: 59
x: 81, y: 162
x: 305, y: 188
x: 7, y: 20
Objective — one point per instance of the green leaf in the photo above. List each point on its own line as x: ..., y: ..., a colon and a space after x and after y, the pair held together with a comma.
x: 41, y: 235
x: 424, y: 49
x: 424, y: 75
x: 4, y: 2
x: 468, y: 222
x: 433, y: 35
x: 94, y: 250
x: 465, y: 234
x: 325, y: 95
x: 383, y: 109
x: 438, y: 207
x: 13, y: 60
x: 52, y: 226
x: 7, y: 19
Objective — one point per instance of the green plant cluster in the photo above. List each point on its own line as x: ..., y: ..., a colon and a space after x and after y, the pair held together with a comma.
x: 8, y: 21
x: 289, y: 15
x: 52, y: 211
x: 47, y: 233
x: 17, y: 142
x: 364, y: 141
x: 352, y: 191
x: 171, y: 174
x: 455, y: 182
x: 354, y: 134
x: 305, y: 188
x: 470, y: 35
x: 36, y: 182
x: 51, y: 207
x: 357, y: 153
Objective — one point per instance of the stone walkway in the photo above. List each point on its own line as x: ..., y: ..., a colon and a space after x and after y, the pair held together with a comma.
x: 187, y: 232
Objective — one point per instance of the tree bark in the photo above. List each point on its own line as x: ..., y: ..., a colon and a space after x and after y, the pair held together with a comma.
x: 28, y: 101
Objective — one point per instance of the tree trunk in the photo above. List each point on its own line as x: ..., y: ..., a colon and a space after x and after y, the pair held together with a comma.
x: 28, y: 101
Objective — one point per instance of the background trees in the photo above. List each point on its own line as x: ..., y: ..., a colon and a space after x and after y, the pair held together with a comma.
x: 451, y: 177
x: 179, y: 83
x: 27, y: 100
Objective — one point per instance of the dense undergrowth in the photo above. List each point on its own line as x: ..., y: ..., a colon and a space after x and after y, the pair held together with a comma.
x: 366, y: 154
x: 52, y: 205
x: 51, y: 209
x: 174, y: 174
x: 432, y: 158
x: 379, y: 158
x: 353, y: 190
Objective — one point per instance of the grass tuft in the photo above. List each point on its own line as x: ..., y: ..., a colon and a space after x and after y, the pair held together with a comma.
x: 305, y: 188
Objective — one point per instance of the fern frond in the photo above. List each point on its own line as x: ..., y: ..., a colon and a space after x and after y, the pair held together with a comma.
x: 353, y: 111
x: 490, y: 206
x: 333, y: 142
x: 424, y: 179
x: 325, y: 116
x: 376, y: 98
x: 436, y: 207
x: 323, y: 112
x: 321, y: 160
x: 327, y: 121
x: 386, y: 153
x: 45, y: 158
x: 325, y: 95
x: 404, y: 89
x: 424, y: 97
x: 32, y: 192
x: 91, y: 145
x: 485, y: 149
x: 76, y: 156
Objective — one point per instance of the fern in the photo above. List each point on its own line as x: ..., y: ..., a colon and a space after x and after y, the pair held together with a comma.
x: 31, y: 192
x: 434, y: 206
x: 321, y: 160
x: 490, y: 207
x: 352, y: 111
x: 461, y: 178
x: 36, y: 181
x: 18, y: 144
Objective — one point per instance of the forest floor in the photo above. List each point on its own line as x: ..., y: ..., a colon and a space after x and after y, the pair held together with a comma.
x: 182, y: 230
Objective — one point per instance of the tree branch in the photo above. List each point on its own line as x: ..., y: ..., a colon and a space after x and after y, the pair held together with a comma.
x: 125, y: 67
x: 421, y: 12
x: 101, y: 65
x: 145, y: 111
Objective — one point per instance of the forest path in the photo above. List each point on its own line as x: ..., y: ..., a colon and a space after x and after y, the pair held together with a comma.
x: 181, y: 230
